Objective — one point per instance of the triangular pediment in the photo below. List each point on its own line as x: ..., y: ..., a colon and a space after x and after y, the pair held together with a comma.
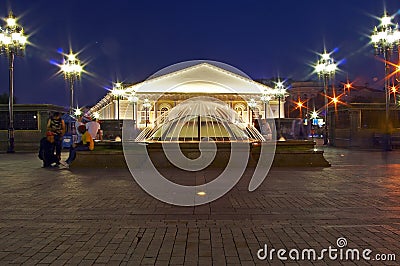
x: 200, y: 78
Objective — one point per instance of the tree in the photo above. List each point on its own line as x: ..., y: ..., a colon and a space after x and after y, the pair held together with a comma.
x: 4, y: 98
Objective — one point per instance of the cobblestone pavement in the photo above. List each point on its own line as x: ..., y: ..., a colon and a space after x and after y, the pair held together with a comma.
x: 97, y: 216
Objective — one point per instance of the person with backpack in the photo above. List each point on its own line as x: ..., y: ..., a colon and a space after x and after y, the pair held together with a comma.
x: 46, y: 150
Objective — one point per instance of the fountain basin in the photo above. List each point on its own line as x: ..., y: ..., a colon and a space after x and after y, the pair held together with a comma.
x: 287, y: 154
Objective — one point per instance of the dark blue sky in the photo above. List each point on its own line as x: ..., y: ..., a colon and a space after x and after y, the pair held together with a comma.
x: 133, y: 39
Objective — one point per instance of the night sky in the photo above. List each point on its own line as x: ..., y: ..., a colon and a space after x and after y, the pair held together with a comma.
x: 131, y: 40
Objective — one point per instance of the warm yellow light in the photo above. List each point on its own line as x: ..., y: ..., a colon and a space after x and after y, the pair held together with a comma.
x: 348, y: 85
x: 118, y: 89
x: 394, y: 89
x: 201, y: 193
x: 71, y: 57
x: 77, y: 112
x: 71, y: 66
x: 133, y: 99
x: 325, y: 56
x: 11, y: 22
x: 335, y: 99
x: 314, y: 114
x: 386, y: 21
x: 300, y: 104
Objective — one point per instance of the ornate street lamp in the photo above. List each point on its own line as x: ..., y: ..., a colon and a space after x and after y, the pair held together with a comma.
x: 12, y: 43
x: 71, y: 67
x: 133, y: 99
x: 78, y: 112
x: 313, y: 116
x: 265, y: 98
x: 252, y: 104
x: 96, y: 115
x: 146, y: 105
x: 118, y: 91
x: 326, y: 68
x: 279, y: 92
x: 384, y: 38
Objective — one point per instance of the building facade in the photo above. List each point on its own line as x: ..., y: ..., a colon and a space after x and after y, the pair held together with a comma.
x: 146, y: 101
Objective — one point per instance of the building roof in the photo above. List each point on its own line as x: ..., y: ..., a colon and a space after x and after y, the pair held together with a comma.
x: 200, y: 78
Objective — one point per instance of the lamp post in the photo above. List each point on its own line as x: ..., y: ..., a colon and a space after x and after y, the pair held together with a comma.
x: 384, y: 38
x: 118, y: 91
x: 252, y: 104
x: 300, y: 106
x: 12, y: 43
x: 265, y: 98
x: 325, y: 69
x: 78, y: 112
x: 146, y: 105
x: 72, y: 69
x: 96, y: 115
x: 314, y: 116
x: 133, y: 99
x: 279, y: 92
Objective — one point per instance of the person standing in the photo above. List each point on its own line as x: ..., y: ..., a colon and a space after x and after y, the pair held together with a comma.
x: 56, y: 125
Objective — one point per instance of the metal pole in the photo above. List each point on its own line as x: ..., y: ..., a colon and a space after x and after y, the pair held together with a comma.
x: 326, y: 139
x: 265, y: 110
x: 11, y: 104
x: 387, y: 102
x: 118, y: 109
x: 279, y: 116
x: 134, y: 114
x: 71, y: 100
x: 146, y: 116
x: 199, y: 127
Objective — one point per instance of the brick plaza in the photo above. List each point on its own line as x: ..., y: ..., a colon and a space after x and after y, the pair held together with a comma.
x: 101, y: 216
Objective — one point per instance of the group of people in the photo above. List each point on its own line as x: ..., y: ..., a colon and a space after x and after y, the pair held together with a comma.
x: 51, y: 145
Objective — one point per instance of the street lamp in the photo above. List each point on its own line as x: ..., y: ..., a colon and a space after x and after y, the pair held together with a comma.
x: 300, y: 107
x: 78, y: 112
x: 252, y: 104
x: 325, y: 69
x: 118, y: 91
x: 96, y: 115
x: 265, y: 98
x: 133, y: 99
x: 384, y: 38
x: 72, y: 69
x: 313, y: 116
x: 146, y: 105
x: 394, y: 91
x: 279, y: 92
x: 12, y: 43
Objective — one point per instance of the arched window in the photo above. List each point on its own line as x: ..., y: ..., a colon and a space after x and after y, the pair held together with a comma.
x: 240, y: 108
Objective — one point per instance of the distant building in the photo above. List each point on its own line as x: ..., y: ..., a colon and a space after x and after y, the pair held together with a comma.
x: 30, y: 124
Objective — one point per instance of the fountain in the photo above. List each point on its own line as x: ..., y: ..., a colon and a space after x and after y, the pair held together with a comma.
x: 201, y: 119
x: 203, y: 130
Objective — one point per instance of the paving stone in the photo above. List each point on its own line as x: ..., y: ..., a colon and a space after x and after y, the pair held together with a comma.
x: 101, y: 216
